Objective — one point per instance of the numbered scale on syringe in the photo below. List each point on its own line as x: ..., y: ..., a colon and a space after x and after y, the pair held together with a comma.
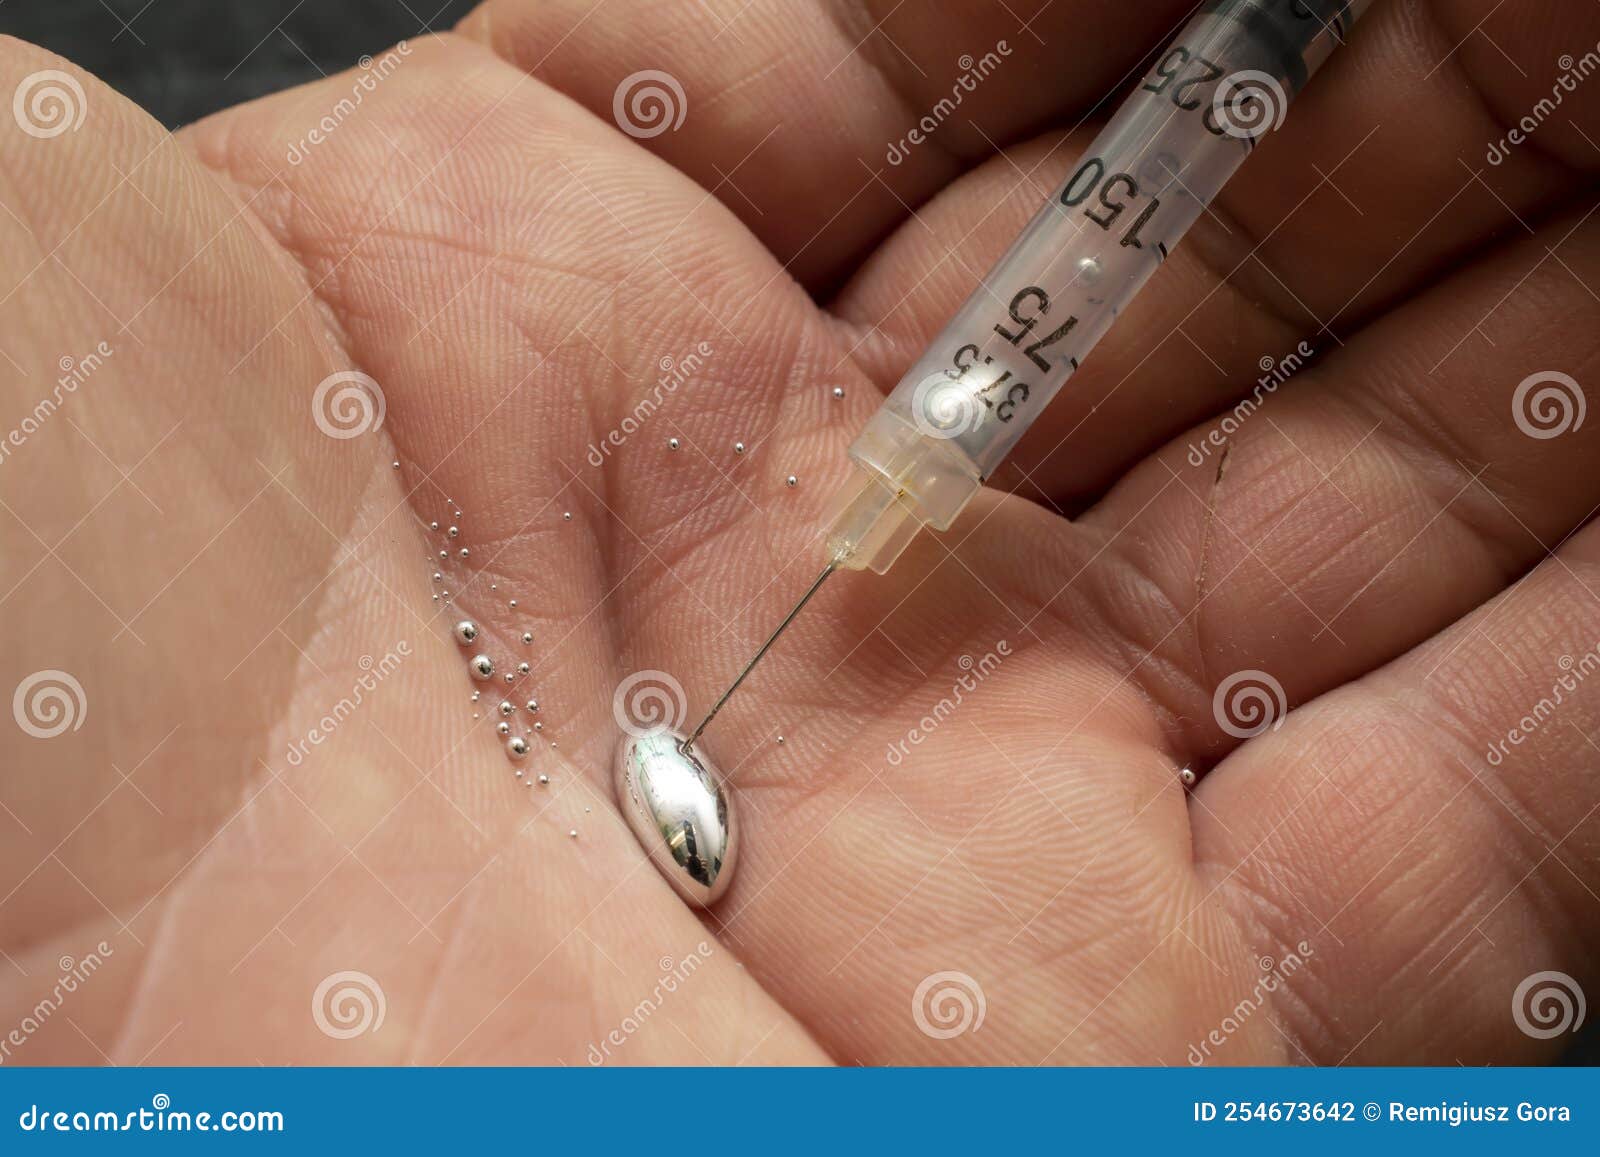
x: 1146, y: 179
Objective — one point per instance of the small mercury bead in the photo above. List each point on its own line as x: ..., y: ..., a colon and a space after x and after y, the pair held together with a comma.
x: 507, y: 707
x: 791, y: 481
x: 573, y: 834
x: 443, y: 554
x: 1187, y: 777
x: 466, y: 631
x: 482, y: 667
x: 463, y: 552
x: 395, y: 464
x: 475, y: 696
x: 527, y: 636
x: 510, y: 677
x: 738, y: 447
x: 516, y: 747
x: 437, y: 577
x: 503, y: 727
x: 523, y: 668
x: 838, y: 391
x: 566, y: 516
x: 544, y: 779
x: 672, y: 443
x: 513, y: 604
x: 433, y: 526
x: 454, y: 532
x: 538, y: 726
x: 533, y: 705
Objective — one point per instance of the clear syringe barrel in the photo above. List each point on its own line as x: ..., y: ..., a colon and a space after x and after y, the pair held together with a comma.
x: 1195, y: 116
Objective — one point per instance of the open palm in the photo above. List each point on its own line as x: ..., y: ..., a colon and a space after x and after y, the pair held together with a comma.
x: 268, y: 807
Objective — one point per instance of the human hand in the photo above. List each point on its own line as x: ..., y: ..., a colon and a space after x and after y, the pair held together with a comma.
x: 1380, y: 538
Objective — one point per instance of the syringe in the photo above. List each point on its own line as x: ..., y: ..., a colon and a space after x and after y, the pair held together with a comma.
x: 1224, y: 83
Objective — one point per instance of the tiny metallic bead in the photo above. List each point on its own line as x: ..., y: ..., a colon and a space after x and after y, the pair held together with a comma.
x: 791, y: 481
x: 466, y: 631
x: 477, y: 714
x: 566, y: 516
x: 503, y: 727
x: 475, y: 695
x: 463, y: 552
x: 738, y: 447
x: 672, y: 443
x: 1187, y: 776
x: 395, y: 463
x: 527, y: 636
x: 454, y: 532
x: 443, y: 554
x: 446, y: 595
x: 458, y: 514
x: 516, y: 747
x: 482, y: 667
x: 519, y: 773
x: 433, y: 526
x: 507, y: 707
x: 437, y: 577
x: 494, y: 586
x: 538, y: 726
x: 510, y: 677
x: 523, y: 668
x: 573, y: 834
x: 780, y: 740
x: 533, y: 705
x: 544, y: 779
x: 838, y: 391
x: 435, y: 598
x: 513, y: 604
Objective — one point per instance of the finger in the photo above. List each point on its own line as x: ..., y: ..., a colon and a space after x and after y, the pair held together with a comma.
x: 1340, y: 214
x: 798, y: 116
x: 1436, y: 826
x: 1375, y: 499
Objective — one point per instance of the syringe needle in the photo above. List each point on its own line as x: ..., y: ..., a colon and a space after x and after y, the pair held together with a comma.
x: 765, y: 647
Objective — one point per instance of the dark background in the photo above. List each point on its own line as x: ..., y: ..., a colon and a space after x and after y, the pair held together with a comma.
x: 182, y: 59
